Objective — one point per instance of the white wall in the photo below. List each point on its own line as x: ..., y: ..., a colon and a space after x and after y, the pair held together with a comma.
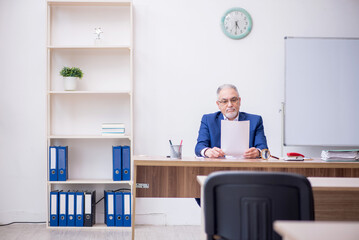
x: 180, y: 58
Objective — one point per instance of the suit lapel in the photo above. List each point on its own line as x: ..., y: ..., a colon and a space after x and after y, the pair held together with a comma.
x: 241, y: 116
x: 220, y: 118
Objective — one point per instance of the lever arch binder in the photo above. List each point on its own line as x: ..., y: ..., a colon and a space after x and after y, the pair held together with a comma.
x: 52, y: 163
x: 63, y: 209
x: 110, y: 208
x: 127, y: 209
x: 54, y: 202
x: 117, y: 163
x: 79, y: 209
x: 126, y: 163
x: 71, y: 208
x: 90, y: 207
x: 62, y: 163
x: 118, y: 209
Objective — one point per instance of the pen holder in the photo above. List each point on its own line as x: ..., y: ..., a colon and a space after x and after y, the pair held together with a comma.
x: 176, y: 151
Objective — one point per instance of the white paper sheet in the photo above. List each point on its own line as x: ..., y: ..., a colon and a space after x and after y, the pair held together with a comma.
x: 234, y: 138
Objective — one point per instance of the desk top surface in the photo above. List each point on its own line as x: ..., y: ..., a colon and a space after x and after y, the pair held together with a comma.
x: 321, y: 183
x: 314, y: 230
x: 141, y: 160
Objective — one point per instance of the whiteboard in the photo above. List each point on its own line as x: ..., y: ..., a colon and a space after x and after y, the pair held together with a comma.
x: 321, y: 99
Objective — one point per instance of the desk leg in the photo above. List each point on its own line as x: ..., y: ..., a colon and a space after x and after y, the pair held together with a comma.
x: 133, y: 201
x: 203, y: 233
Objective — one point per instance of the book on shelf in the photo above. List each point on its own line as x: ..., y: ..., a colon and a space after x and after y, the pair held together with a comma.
x: 349, y: 155
x: 113, y: 129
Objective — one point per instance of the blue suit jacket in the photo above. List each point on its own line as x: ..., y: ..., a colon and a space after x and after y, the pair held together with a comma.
x: 209, y: 134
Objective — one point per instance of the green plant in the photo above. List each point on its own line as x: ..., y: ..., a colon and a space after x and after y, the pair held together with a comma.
x: 71, y: 72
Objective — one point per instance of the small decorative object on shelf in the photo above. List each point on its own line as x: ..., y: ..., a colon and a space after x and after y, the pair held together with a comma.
x: 98, y: 40
x: 70, y: 77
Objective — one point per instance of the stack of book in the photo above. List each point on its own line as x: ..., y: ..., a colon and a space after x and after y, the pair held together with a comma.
x: 350, y: 155
x: 113, y: 129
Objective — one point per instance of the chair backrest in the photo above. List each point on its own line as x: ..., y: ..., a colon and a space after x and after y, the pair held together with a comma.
x: 243, y: 205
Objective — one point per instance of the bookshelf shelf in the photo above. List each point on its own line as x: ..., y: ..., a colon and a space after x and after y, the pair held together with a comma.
x: 91, y: 181
x: 88, y: 3
x: 89, y: 47
x: 97, y: 226
x: 88, y: 137
x: 90, y: 92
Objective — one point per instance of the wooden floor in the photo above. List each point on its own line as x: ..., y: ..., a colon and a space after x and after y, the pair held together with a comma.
x: 40, y: 232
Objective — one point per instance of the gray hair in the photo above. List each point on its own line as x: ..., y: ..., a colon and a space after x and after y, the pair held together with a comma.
x: 220, y: 88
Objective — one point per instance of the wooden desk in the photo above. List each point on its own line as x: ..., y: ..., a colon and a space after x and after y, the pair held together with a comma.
x: 177, y: 178
x: 306, y: 230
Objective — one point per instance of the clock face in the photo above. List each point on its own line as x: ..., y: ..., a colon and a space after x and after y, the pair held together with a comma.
x: 236, y: 23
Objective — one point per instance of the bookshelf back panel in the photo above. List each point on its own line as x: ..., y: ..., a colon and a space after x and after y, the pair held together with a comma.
x: 104, y: 69
x: 99, y: 194
x: 90, y: 158
x: 83, y: 114
x: 75, y: 25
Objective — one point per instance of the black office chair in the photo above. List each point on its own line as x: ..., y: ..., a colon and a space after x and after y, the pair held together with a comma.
x: 243, y: 205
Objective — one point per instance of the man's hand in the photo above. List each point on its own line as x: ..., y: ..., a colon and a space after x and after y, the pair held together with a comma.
x: 214, y: 152
x: 251, y: 153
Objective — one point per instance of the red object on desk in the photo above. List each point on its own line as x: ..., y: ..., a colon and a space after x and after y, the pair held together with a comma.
x: 294, y: 154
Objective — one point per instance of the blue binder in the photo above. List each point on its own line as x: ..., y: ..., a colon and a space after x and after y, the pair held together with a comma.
x: 126, y: 163
x: 71, y: 209
x: 53, y: 163
x: 62, y: 163
x: 110, y: 208
x: 127, y: 209
x: 63, y: 209
x: 117, y: 162
x: 79, y: 209
x: 118, y: 209
x: 54, y: 210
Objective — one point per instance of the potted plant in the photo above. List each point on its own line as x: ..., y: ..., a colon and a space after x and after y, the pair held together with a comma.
x: 70, y: 77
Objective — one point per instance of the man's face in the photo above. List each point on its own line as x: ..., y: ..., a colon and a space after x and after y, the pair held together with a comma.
x: 229, y: 102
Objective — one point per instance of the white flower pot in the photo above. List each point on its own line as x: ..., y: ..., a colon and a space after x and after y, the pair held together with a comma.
x: 70, y: 83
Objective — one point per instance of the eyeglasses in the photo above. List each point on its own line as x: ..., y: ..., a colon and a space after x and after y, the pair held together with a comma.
x: 265, y: 154
x: 233, y: 100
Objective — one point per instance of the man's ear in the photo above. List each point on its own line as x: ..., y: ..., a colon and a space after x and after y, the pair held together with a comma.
x: 217, y: 104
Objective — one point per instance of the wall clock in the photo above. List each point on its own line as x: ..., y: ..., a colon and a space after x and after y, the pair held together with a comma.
x: 236, y: 23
